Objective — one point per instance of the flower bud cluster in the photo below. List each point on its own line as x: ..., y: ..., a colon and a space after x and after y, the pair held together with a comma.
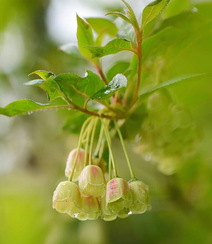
x: 168, y: 134
x: 90, y: 196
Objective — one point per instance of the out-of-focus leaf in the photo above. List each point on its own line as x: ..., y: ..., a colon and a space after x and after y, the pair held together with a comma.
x: 84, y: 36
x: 71, y: 49
x: 118, y: 82
x: 42, y: 74
x: 175, y: 7
x: 24, y: 106
x: 152, y: 10
x: 169, y: 83
x: 75, y: 122
x: 126, y: 31
x: 119, y: 67
x: 112, y: 47
x: 158, y: 41
x: 52, y: 88
x: 101, y: 24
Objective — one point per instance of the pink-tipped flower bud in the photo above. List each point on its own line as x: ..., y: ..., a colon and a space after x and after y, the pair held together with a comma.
x: 107, y: 214
x: 66, y: 198
x: 140, y: 197
x: 90, y: 209
x: 79, y: 165
x: 91, y: 181
x: 118, y: 195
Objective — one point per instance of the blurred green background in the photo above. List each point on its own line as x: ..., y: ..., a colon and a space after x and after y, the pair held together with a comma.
x: 33, y: 149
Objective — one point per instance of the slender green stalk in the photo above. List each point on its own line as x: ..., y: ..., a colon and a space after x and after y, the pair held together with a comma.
x: 101, y: 150
x: 89, y: 130
x: 98, y: 146
x: 125, y: 152
x: 92, y: 139
x: 110, y: 167
x: 107, y: 135
x: 79, y: 145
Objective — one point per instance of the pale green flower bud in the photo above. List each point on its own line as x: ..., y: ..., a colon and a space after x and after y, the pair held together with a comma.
x: 118, y: 195
x: 124, y: 213
x: 90, y: 209
x: 169, y: 166
x: 79, y: 165
x: 66, y: 198
x: 156, y: 101
x: 107, y: 214
x: 181, y: 117
x: 140, y: 201
x: 91, y: 181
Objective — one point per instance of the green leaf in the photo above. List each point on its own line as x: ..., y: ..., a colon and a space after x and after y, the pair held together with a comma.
x: 36, y: 82
x: 103, y: 25
x: 85, y: 37
x: 152, y: 10
x: 52, y: 88
x: 131, y: 15
x: 118, y: 82
x: 42, y: 74
x: 121, y: 15
x: 24, y: 106
x: 126, y: 31
x: 169, y: 83
x: 112, y: 47
x: 79, y: 88
x: 71, y: 49
x: 119, y: 67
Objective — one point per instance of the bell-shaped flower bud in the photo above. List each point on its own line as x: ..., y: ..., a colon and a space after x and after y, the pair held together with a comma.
x: 107, y: 214
x: 140, y: 197
x: 100, y: 162
x: 66, y: 198
x: 124, y: 213
x: 118, y: 195
x: 181, y: 118
x: 90, y: 209
x: 81, y: 163
x: 91, y: 181
x: 157, y: 101
x: 169, y: 166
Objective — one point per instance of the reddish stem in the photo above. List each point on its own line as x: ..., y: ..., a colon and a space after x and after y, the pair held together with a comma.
x: 100, y: 72
x: 139, y: 37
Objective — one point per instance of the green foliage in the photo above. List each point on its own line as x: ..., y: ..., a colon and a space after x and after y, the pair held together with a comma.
x: 112, y: 47
x: 72, y: 50
x: 132, y: 80
x: 169, y: 83
x: 84, y: 36
x: 100, y: 25
x: 119, y: 67
x: 24, y: 106
x: 43, y: 74
x: 178, y: 43
x: 79, y: 88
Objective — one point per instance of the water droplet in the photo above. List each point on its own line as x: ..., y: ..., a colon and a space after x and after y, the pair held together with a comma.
x: 148, y: 157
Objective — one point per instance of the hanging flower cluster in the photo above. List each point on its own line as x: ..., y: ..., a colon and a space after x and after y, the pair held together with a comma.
x: 89, y: 193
